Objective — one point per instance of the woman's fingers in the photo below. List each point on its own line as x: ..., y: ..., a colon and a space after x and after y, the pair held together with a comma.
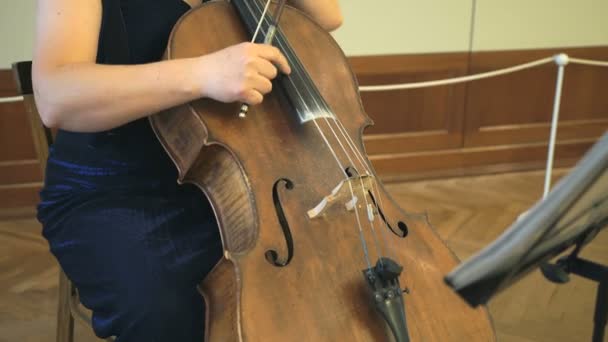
x: 273, y: 55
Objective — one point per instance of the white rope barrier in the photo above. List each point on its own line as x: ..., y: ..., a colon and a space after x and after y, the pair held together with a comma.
x: 457, y: 79
x: 588, y: 62
x: 447, y: 81
x: 561, y: 60
x: 11, y: 99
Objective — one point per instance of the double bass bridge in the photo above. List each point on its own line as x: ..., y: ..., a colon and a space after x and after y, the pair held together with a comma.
x: 348, y: 192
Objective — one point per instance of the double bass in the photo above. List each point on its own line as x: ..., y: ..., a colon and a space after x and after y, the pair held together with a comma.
x: 315, y: 249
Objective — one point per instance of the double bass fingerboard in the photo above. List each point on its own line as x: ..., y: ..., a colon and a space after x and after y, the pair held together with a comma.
x: 298, y: 87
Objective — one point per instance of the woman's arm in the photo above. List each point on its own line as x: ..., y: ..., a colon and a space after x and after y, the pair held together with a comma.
x: 74, y: 93
x: 325, y: 12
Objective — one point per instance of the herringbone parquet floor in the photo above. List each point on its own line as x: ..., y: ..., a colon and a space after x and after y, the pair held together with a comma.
x: 467, y: 212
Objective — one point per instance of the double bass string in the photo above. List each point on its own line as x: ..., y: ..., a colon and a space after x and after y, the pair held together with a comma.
x: 348, y: 155
x: 375, y: 191
x: 378, y: 200
x: 257, y: 29
x: 328, y: 144
x: 244, y: 106
x: 351, y: 145
x: 352, y: 194
x: 367, y: 206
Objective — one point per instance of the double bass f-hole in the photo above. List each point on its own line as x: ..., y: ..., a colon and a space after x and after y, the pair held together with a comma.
x: 272, y: 255
x: 401, y: 225
x: 346, y: 283
x: 351, y: 172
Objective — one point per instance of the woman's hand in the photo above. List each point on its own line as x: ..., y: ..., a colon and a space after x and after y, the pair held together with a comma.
x: 74, y: 93
x: 242, y: 72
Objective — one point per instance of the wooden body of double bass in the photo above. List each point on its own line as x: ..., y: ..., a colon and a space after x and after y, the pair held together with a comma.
x: 246, y: 166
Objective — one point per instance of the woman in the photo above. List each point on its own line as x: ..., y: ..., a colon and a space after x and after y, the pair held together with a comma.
x: 134, y: 242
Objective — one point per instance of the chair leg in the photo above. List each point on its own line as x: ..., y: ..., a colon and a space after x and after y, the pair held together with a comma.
x: 65, y: 321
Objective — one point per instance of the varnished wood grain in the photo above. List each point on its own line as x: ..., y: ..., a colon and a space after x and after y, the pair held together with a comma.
x: 417, y: 110
x: 16, y: 141
x: 221, y: 175
x: 417, y: 119
x: 221, y: 304
x: 321, y: 295
x: 518, y: 107
x: 467, y: 160
x: 7, y: 84
x: 19, y: 172
x: 511, y: 111
x: 65, y: 321
x: 20, y: 195
x: 23, y: 146
x: 468, y: 212
x: 28, y: 284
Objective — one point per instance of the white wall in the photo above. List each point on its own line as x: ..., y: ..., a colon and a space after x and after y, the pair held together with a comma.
x: 407, y: 26
x: 531, y: 24
x: 404, y: 26
x: 17, y: 24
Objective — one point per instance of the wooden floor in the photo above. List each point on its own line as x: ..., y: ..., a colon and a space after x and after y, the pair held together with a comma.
x: 467, y: 212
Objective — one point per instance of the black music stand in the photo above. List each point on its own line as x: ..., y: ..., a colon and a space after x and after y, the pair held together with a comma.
x: 571, y: 215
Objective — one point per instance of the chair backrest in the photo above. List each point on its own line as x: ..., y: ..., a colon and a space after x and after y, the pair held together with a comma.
x: 43, y: 136
x: 22, y: 72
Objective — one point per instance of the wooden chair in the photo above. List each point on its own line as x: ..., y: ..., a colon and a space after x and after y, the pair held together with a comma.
x: 69, y: 302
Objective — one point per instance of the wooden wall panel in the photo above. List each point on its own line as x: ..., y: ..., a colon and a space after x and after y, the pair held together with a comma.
x: 517, y: 108
x: 417, y: 119
x: 493, y: 125
x: 15, y: 133
x: 20, y: 171
x: 502, y: 123
x: 584, y: 93
x: 475, y: 160
x: 19, y: 195
x: 7, y: 84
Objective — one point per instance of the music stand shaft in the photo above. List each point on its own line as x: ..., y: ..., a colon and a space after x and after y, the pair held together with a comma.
x: 599, y: 273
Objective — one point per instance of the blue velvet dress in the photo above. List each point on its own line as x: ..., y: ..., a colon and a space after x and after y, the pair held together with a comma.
x: 134, y: 242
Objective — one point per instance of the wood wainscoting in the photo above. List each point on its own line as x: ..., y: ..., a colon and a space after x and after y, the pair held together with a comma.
x: 493, y: 125
x: 20, y: 171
